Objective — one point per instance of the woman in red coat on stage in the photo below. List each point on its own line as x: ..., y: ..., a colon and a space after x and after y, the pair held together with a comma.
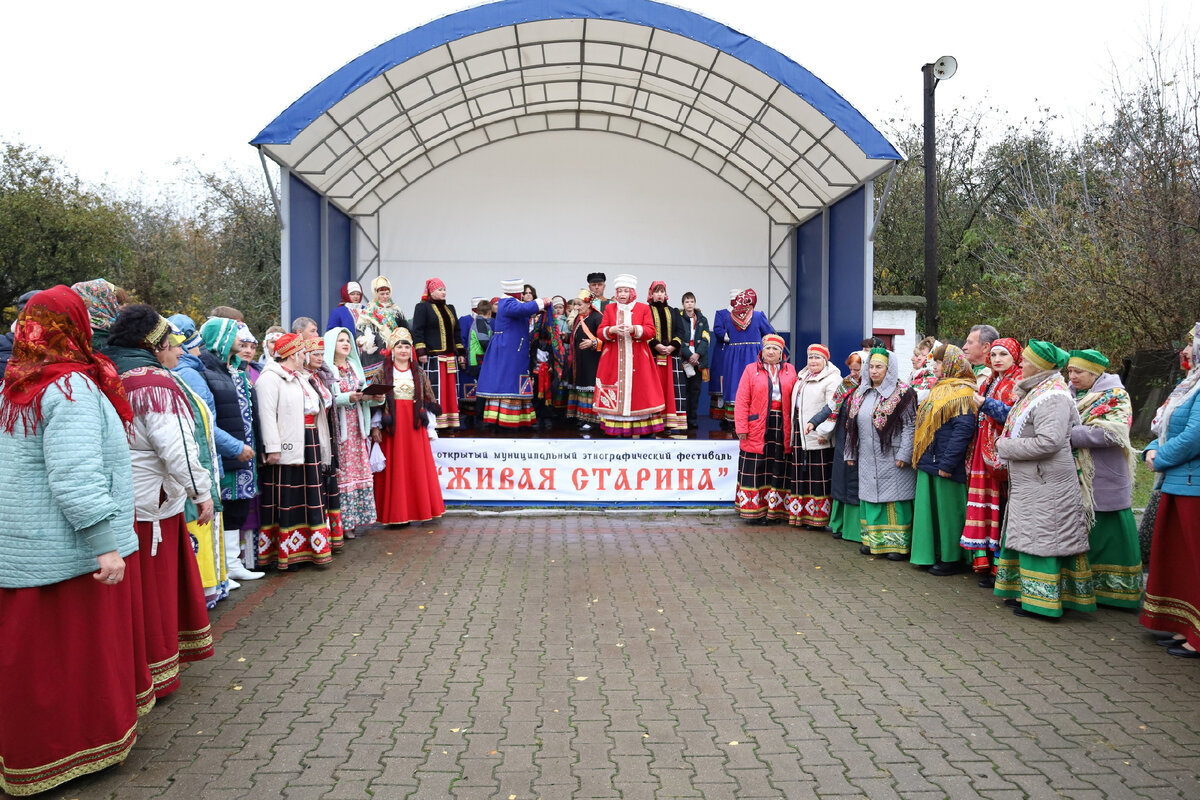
x: 629, y: 397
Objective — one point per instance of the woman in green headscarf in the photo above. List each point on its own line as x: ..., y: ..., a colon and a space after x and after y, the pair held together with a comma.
x: 351, y: 438
x: 1043, y: 556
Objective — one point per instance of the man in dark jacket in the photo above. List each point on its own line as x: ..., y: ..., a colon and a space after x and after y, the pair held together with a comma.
x: 694, y: 355
x: 6, y: 341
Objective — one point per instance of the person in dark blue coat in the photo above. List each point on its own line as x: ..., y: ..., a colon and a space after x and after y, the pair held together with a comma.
x: 945, y: 428
x: 345, y: 315
x: 505, y: 387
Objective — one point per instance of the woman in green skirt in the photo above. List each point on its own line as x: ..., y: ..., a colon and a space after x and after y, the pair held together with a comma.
x: 879, y: 440
x: 1105, y: 459
x: 1042, y: 567
x: 843, y: 517
x: 945, y: 429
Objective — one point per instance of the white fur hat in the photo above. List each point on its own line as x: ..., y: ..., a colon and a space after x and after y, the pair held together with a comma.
x: 625, y: 281
x: 512, y: 286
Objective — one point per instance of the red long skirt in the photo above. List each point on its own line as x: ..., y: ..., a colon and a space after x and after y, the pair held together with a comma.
x: 173, y: 602
x: 1172, y: 600
x: 407, y: 490
x: 73, y: 679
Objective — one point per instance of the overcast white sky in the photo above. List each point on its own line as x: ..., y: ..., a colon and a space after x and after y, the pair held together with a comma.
x: 121, y: 90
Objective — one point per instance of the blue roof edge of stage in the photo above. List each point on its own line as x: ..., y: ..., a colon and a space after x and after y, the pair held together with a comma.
x: 316, y: 101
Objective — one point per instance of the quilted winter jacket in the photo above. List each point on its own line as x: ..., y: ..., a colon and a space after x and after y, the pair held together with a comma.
x: 754, y: 401
x: 1045, y: 515
x: 66, y: 491
x: 948, y: 452
x: 1178, y: 456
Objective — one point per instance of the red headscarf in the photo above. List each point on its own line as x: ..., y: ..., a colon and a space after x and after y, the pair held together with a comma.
x: 430, y: 286
x: 1011, y: 345
x: 743, y: 308
x: 54, y: 339
x: 352, y: 286
x: 655, y: 286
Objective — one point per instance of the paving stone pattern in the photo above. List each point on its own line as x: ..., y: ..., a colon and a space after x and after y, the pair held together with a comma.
x: 656, y: 656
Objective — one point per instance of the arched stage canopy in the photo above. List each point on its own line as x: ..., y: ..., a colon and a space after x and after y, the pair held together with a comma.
x: 663, y: 76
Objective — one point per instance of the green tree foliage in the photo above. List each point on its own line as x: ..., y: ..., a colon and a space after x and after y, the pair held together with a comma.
x: 1092, y: 243
x: 52, y: 229
x: 224, y: 252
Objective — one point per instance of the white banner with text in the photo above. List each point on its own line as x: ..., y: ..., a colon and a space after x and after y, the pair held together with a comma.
x: 586, y: 471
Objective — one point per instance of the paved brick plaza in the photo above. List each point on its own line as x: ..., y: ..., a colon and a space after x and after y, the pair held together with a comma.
x: 656, y: 656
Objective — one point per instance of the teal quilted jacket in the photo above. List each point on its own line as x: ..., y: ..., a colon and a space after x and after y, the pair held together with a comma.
x: 66, y: 491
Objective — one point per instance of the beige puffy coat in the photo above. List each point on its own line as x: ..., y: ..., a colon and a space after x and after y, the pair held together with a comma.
x: 280, y: 397
x: 1045, y: 514
x: 811, y: 394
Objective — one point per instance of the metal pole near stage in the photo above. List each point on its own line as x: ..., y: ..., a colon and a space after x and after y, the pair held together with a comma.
x: 934, y: 73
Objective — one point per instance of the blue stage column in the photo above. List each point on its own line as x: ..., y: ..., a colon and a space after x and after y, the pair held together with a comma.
x: 317, y: 257
x: 809, y: 294
x: 851, y: 272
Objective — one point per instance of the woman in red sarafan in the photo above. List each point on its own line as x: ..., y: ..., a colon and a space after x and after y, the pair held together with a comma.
x: 407, y: 489
x: 74, y: 675
x: 628, y: 396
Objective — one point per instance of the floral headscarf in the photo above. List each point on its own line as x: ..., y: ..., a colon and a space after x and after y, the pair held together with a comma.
x: 100, y: 297
x: 952, y: 396
x: 53, y: 340
x: 743, y: 308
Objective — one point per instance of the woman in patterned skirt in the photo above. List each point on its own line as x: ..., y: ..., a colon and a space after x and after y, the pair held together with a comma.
x: 810, y: 469
x: 880, y: 425
x: 351, y: 432
x: 987, y: 480
x: 1106, y: 460
x: 295, y: 435
x: 1042, y: 567
x: 585, y: 358
x: 763, y: 422
x: 665, y: 348
x: 843, y: 486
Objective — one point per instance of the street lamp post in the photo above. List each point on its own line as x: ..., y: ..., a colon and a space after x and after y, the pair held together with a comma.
x: 940, y: 70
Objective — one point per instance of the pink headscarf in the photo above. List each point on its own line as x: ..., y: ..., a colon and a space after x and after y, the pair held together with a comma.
x: 430, y: 286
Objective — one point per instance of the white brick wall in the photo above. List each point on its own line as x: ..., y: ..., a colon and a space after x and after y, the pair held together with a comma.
x: 902, y: 344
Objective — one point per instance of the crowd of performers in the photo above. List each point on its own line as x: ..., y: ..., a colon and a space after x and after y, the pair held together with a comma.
x: 609, y: 366
x: 987, y: 459
x: 148, y: 464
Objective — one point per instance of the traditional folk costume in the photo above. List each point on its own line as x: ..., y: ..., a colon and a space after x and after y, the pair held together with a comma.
x: 505, y: 386
x: 1043, y: 554
x: 548, y: 368
x: 763, y: 422
x: 987, y: 479
x: 407, y: 489
x: 325, y: 382
x: 844, y: 511
x: 810, y: 469
x: 233, y: 399
x: 345, y: 314
x: 1172, y: 592
x: 628, y: 394
x: 716, y: 361
x: 742, y: 335
x: 437, y: 337
x: 668, y: 331
x: 295, y: 528
x: 351, y: 436
x: 166, y: 473
x: 376, y: 322
x: 584, y: 362
x: 74, y: 675
x: 1106, y: 462
x: 697, y: 340
x: 880, y: 426
x: 945, y: 429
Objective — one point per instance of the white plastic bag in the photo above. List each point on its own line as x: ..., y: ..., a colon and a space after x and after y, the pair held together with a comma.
x: 378, y: 460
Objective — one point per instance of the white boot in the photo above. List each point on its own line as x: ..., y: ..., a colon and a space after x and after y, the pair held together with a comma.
x: 232, y: 584
x: 233, y: 560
